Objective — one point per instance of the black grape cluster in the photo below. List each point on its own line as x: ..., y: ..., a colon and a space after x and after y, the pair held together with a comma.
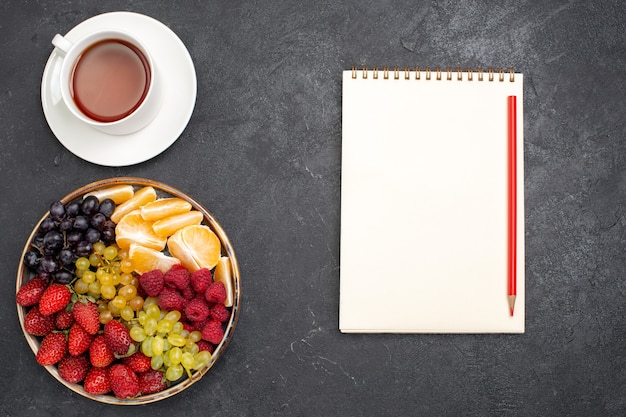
x: 66, y: 234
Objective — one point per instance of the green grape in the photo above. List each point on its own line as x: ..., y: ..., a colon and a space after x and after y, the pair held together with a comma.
x: 187, y: 360
x: 201, y: 359
x: 127, y: 313
x: 94, y: 289
x: 164, y: 326
x: 138, y: 334
x: 141, y: 317
x: 150, y: 325
x: 196, y: 335
x: 149, y: 301
x: 167, y: 362
x: 146, y: 346
x: 177, y: 327
x: 105, y: 278
x: 119, y: 302
x: 157, y: 345
x: 99, y: 247
x: 156, y: 362
x: 110, y: 252
x: 88, y: 276
x: 81, y: 287
x: 82, y: 263
x: 172, y: 316
x: 175, y: 355
x: 174, y: 372
x: 176, y: 340
x: 94, y: 259
x: 127, y: 291
x: 153, y: 311
x: 107, y: 291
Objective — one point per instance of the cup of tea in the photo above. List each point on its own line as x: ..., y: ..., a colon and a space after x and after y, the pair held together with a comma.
x: 109, y: 81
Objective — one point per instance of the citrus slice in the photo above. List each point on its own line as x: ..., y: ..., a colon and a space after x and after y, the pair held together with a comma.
x: 167, y: 226
x: 132, y: 228
x: 223, y: 274
x: 145, y: 259
x: 142, y: 196
x: 117, y: 193
x: 196, y: 246
x: 164, y: 207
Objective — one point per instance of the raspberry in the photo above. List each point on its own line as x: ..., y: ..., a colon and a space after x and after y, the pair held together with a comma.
x: 151, y: 381
x: 54, y: 299
x: 30, y: 293
x: 219, y: 312
x: 170, y: 300
x: 188, y: 293
x: 117, y: 337
x: 97, y: 381
x: 124, y: 381
x: 213, y: 332
x: 216, y: 293
x: 152, y: 282
x: 197, y: 309
x: 204, y: 345
x: 177, y: 277
x: 73, y: 369
x: 201, y: 279
x: 38, y: 324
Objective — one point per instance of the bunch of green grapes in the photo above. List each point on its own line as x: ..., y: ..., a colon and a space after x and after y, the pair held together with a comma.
x: 106, y: 276
x: 166, y: 342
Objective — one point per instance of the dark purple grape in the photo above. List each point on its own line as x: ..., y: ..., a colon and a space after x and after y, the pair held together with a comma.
x: 92, y: 235
x: 62, y: 277
x: 97, y: 220
x: 66, y: 256
x: 57, y: 210
x: 73, y: 237
x: 107, y: 207
x: 48, y: 264
x: 53, y: 242
x: 38, y: 240
x: 72, y: 209
x: 83, y: 248
x: 90, y: 205
x: 66, y: 224
x: 47, y: 225
x: 81, y: 223
x: 46, y: 276
x: 108, y: 235
x: 31, y: 259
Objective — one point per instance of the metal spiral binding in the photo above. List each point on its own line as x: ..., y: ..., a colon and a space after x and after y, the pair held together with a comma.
x: 492, y: 74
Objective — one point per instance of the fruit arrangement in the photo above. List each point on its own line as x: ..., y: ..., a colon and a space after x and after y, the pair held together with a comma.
x: 126, y: 292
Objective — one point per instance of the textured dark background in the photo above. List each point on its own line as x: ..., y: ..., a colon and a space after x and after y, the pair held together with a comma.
x: 262, y: 152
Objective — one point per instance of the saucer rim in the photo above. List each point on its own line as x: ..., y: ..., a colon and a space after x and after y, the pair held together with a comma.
x: 170, y: 121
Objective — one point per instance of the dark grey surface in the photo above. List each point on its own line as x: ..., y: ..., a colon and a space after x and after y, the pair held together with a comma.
x: 262, y: 152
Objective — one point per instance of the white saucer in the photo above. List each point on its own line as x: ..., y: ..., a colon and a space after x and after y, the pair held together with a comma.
x: 179, y: 90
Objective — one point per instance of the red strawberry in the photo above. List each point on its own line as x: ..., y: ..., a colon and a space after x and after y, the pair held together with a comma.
x: 100, y: 354
x: 152, y: 282
x: 216, y: 293
x: 87, y: 315
x: 124, y: 381
x: 79, y: 340
x: 213, y: 332
x: 64, y: 320
x: 30, y: 293
x: 138, y: 362
x: 55, y: 298
x: 177, y: 277
x: 52, y: 349
x: 73, y: 369
x: 151, y: 381
x: 219, y: 312
x: 117, y: 337
x: 201, y: 279
x: 97, y: 381
x: 38, y: 324
x: 197, y: 309
x: 170, y: 299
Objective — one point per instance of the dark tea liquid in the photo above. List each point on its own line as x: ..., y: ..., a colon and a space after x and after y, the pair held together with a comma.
x: 110, y: 80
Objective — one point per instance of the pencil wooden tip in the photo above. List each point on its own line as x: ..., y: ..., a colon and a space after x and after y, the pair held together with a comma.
x: 511, y: 304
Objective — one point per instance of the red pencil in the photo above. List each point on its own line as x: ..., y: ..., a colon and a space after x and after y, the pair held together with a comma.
x: 512, y: 258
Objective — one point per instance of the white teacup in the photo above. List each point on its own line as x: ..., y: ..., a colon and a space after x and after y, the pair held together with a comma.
x: 102, y: 83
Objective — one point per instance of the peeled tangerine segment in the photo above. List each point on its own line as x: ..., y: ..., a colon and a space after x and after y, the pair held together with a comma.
x: 196, y: 246
x: 132, y: 228
x: 145, y: 259
x: 223, y: 273
x: 117, y: 193
x: 169, y: 225
x: 164, y: 207
x: 141, y: 197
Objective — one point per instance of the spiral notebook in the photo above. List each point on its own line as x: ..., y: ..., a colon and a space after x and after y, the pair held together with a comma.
x: 425, y: 208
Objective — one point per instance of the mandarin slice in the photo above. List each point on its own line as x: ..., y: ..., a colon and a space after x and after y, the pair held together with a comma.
x: 196, y: 246
x: 145, y: 259
x: 169, y: 225
x: 117, y: 193
x: 132, y: 228
x: 141, y: 197
x: 223, y: 274
x: 164, y: 207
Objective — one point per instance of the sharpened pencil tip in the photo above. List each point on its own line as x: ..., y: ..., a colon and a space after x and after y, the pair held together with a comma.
x: 511, y: 304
